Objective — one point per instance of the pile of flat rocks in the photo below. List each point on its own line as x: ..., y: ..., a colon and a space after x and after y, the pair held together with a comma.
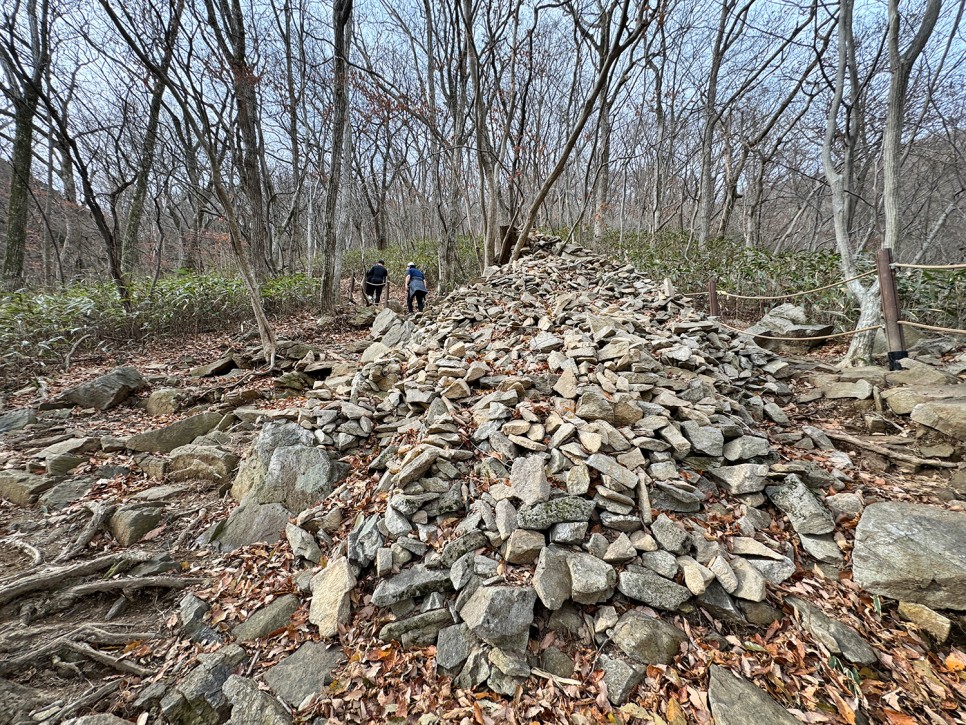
x: 565, y: 445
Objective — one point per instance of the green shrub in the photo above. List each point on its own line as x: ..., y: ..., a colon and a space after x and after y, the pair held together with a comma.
x: 38, y: 329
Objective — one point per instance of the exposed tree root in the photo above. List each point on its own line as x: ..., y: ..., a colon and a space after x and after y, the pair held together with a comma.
x: 55, y: 577
x: 31, y: 551
x: 87, y: 634
x: 100, y: 513
x: 90, y: 698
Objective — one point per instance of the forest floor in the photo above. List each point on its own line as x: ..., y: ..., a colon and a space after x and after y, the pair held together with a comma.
x: 101, y: 650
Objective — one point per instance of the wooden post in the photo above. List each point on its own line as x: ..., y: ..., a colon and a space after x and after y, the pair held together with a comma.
x: 386, y: 291
x: 352, y: 288
x: 714, y: 307
x: 890, y: 308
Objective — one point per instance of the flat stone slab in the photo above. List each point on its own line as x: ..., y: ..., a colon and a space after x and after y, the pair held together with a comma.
x: 304, y: 672
x: 736, y: 701
x: 913, y: 553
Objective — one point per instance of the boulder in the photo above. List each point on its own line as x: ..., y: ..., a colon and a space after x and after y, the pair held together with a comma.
x: 736, y: 701
x: 501, y: 615
x: 620, y: 677
x: 251, y: 706
x: 105, y: 391
x: 197, y: 698
x: 912, y: 552
x: 251, y: 522
x: 838, y: 637
x: 23, y: 488
x: 163, y: 401
x: 267, y: 618
x: 193, y: 462
x: 647, y: 640
x: 330, y: 597
x: 297, y: 477
x: 166, y: 439
x: 274, y: 434
x: 304, y: 672
x: 947, y: 417
x: 17, y: 419
x: 417, y: 581
x: 130, y: 524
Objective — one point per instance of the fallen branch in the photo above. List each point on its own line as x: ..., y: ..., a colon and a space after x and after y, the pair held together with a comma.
x: 55, y: 576
x: 120, y: 665
x: 888, y: 452
x: 100, y: 513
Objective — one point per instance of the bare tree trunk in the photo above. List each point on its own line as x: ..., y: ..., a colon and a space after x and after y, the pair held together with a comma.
x: 341, y: 14
x: 129, y: 244
x: 25, y: 76
x: 900, y: 66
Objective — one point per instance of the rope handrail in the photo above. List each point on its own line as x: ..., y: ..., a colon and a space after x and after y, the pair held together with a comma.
x: 797, y: 294
x: 897, y: 265
x: 800, y: 339
x: 947, y: 330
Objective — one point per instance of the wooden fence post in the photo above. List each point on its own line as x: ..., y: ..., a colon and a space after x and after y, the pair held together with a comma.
x: 713, y: 305
x: 890, y: 308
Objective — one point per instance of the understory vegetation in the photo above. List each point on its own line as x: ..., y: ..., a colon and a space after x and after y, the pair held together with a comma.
x: 43, y: 328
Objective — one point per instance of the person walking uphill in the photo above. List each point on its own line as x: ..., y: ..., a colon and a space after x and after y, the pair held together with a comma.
x: 375, y: 280
x: 415, y: 287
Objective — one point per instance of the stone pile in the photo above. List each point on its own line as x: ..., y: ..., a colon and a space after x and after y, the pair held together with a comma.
x: 565, y: 445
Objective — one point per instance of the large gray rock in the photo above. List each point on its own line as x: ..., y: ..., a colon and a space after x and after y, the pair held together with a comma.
x: 330, y: 597
x: 645, y: 586
x: 252, y: 522
x: 304, y: 672
x: 267, y: 619
x: 197, y: 698
x: 736, y: 701
x: 298, y: 477
x: 551, y: 578
x: 201, y: 463
x: 274, y: 434
x: 786, y: 320
x: 417, y: 581
x: 565, y: 509
x: 805, y: 512
x: 453, y: 646
x: 742, y: 478
x: 620, y: 677
x: 418, y: 631
x: 646, y: 639
x: 105, y: 391
x: 23, y: 488
x: 838, y: 637
x: 591, y: 579
x: 528, y: 479
x: 129, y: 524
x: 947, y: 417
x: 251, y: 706
x: 17, y: 419
x: 166, y: 439
x: 501, y: 615
x: 912, y: 552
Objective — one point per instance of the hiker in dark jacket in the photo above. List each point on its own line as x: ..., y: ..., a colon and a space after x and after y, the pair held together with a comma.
x: 415, y: 287
x: 375, y: 280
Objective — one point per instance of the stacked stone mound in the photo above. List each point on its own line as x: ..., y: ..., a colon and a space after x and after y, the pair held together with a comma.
x: 566, y: 445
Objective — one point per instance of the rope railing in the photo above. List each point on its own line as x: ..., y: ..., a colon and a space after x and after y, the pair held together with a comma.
x: 934, y: 328
x: 797, y: 294
x: 946, y: 267
x: 885, y: 271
